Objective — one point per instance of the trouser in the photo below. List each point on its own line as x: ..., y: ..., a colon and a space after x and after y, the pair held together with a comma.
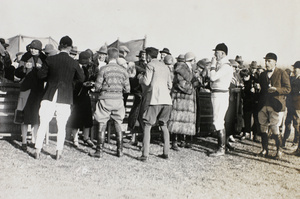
x: 46, y: 113
x: 147, y: 137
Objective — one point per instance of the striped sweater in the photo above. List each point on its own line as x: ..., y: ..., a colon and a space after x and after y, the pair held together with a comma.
x: 112, y: 81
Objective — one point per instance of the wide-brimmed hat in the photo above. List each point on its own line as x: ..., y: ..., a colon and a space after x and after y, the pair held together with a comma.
x: 74, y: 50
x: 180, y: 58
x: 165, y: 50
x: 253, y: 65
x: 221, y: 47
x: 3, y: 42
x: 271, y: 56
x: 203, y: 63
x: 140, y: 53
x: 239, y: 58
x: 102, y: 50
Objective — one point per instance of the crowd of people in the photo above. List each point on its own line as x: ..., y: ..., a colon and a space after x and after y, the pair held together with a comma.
x: 247, y: 100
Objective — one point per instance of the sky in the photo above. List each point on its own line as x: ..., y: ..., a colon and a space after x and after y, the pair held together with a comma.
x: 249, y: 28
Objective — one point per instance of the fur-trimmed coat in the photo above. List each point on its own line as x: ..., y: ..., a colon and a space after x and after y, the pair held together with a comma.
x: 183, y: 115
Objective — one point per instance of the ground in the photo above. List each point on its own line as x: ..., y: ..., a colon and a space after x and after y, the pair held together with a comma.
x: 189, y: 173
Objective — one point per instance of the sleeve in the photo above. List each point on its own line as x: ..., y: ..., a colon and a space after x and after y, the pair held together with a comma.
x: 79, y: 74
x: 147, y: 77
x: 215, y: 75
x: 126, y: 84
x: 99, y: 80
x: 43, y: 71
x: 285, y: 84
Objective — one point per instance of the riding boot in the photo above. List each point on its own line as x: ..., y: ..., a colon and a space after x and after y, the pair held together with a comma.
x: 286, y: 135
x: 119, y: 144
x: 221, y: 144
x: 264, y: 142
x: 100, y: 143
x: 278, y: 141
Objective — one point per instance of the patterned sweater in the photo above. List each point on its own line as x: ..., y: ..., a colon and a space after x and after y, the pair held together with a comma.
x: 112, y: 81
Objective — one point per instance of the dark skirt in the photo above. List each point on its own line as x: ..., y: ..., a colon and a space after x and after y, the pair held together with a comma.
x: 81, y: 113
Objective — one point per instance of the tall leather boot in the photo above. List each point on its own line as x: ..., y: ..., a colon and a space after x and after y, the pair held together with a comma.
x: 100, y: 143
x: 278, y: 141
x: 119, y: 143
x: 286, y: 135
x: 221, y: 144
x: 264, y: 142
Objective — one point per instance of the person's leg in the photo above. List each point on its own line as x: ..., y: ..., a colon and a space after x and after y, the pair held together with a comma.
x: 46, y: 113
x: 275, y: 122
x: 166, y: 135
x: 221, y: 136
x: 263, y: 118
x: 34, y: 130
x: 63, y: 112
x: 146, y: 140
x: 174, y: 137
x: 75, y: 137
x: 86, y: 137
x: 100, y: 141
x: 24, y: 130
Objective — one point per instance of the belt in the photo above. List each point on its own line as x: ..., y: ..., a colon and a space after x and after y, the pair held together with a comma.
x: 219, y: 91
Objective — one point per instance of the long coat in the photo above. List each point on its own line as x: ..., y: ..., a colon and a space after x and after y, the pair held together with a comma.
x: 183, y: 114
x: 276, y: 100
x: 30, y: 81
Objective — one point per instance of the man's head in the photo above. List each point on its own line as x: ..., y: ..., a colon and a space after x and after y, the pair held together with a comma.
x: 164, y: 52
x: 65, y: 43
x: 270, y: 61
x: 151, y: 53
x: 296, y: 68
x: 112, y: 53
x: 142, y: 55
x: 168, y: 60
x: 102, y: 53
x: 221, y: 51
x: 239, y: 59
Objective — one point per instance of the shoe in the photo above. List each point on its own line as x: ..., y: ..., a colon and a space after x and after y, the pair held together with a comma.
x: 76, y: 144
x: 296, y: 153
x: 231, y: 139
x: 119, y: 153
x: 188, y: 145
x: 255, y: 139
x: 263, y: 153
x: 89, y: 143
x: 143, y: 158
x: 96, y: 154
x: 24, y: 147
x: 229, y: 147
x: 37, y: 155
x: 219, y: 152
x: 278, y: 155
x: 164, y: 156
x: 58, y: 154
x: 175, y: 147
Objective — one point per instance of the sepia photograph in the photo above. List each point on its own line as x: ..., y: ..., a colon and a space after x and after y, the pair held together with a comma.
x: 162, y: 99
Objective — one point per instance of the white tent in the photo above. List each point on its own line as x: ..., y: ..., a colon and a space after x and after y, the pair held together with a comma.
x: 18, y: 43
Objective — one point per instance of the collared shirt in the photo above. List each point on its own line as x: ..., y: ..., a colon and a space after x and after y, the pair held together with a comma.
x: 270, y: 73
x: 189, y: 65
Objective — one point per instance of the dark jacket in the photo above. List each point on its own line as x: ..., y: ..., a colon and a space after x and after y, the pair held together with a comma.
x: 295, y: 94
x: 281, y: 81
x: 60, y: 71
